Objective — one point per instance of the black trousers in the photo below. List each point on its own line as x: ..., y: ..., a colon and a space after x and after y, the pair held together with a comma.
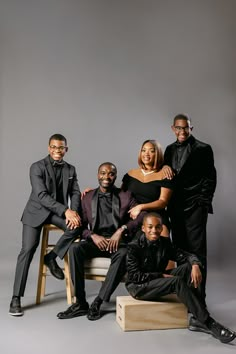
x: 179, y: 284
x: 30, y: 242
x: 83, y: 250
x: 188, y: 230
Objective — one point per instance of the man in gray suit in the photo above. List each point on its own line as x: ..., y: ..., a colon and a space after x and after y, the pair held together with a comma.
x: 54, y: 183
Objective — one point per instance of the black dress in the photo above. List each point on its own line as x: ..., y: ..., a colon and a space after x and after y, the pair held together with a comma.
x: 148, y: 192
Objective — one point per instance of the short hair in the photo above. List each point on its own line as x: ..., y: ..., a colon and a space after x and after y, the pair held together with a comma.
x: 58, y: 137
x: 182, y: 116
x: 108, y: 163
x: 159, y: 157
x: 152, y: 214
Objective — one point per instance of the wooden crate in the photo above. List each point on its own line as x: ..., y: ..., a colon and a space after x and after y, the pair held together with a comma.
x: 139, y: 315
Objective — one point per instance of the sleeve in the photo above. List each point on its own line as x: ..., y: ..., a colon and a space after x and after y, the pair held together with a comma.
x: 167, y: 183
x: 135, y: 274
x: 75, y: 195
x: 180, y: 256
x: 125, y: 181
x: 86, y: 232
x: 209, y: 176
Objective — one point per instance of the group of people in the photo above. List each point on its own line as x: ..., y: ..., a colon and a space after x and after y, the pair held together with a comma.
x: 169, y: 193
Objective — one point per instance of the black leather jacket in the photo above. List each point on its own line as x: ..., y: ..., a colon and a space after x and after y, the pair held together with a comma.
x: 147, y: 260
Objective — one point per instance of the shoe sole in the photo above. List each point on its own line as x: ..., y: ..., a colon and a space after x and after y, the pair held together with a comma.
x: 226, y: 340
x: 59, y: 278
x: 93, y: 318
x: 198, y: 329
x: 81, y: 313
x: 16, y: 314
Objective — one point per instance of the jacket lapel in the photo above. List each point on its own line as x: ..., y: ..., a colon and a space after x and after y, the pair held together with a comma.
x: 94, y: 208
x: 49, y: 168
x: 65, y: 174
x: 188, y: 151
x: 116, y: 207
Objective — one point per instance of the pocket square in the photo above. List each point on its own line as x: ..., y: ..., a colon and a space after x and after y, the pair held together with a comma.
x: 70, y: 177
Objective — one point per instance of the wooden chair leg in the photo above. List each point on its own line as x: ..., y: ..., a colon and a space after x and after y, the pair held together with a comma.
x: 69, y: 286
x: 42, y: 268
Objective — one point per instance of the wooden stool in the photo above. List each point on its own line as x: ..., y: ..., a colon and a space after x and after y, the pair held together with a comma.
x: 139, y: 315
x: 45, y: 248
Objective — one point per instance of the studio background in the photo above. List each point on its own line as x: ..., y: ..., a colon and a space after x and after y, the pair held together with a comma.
x: 108, y: 75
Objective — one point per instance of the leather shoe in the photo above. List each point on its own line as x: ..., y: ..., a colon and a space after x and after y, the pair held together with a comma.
x: 15, y: 307
x: 197, y: 326
x: 74, y: 310
x: 225, y: 335
x: 54, y: 268
x: 94, y: 312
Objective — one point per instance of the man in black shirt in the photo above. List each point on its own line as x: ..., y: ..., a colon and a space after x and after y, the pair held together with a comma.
x: 107, y: 228
x: 192, y: 162
x: 148, y: 278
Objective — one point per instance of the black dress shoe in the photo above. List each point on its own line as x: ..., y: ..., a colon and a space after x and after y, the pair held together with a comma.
x: 222, y: 333
x: 197, y: 326
x: 54, y: 268
x: 74, y: 310
x: 15, y: 307
x: 94, y: 312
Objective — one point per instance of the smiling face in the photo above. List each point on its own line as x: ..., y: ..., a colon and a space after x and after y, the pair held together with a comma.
x: 182, y: 129
x: 148, y: 154
x: 152, y: 227
x: 106, y: 177
x: 57, y: 149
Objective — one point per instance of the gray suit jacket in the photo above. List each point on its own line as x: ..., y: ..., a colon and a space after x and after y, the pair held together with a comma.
x: 42, y: 200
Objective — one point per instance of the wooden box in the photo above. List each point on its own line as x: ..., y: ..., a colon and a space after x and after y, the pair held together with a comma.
x: 139, y: 315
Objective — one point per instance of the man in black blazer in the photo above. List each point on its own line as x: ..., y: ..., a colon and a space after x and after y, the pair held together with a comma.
x: 107, y: 228
x: 54, y: 183
x: 195, y: 175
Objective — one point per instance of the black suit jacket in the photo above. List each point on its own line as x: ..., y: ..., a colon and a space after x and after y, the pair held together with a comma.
x: 196, y: 180
x: 122, y: 202
x: 42, y: 200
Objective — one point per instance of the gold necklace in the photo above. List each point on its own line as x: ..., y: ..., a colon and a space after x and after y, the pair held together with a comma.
x: 147, y: 173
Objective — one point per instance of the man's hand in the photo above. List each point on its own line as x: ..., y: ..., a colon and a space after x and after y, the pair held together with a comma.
x: 88, y: 189
x: 167, y: 275
x: 114, y: 241
x: 100, y: 241
x: 135, y: 211
x: 72, y: 219
x: 196, y: 275
x: 167, y: 172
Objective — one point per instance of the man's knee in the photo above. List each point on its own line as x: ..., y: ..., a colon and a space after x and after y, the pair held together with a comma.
x: 121, y: 252
x: 75, y: 248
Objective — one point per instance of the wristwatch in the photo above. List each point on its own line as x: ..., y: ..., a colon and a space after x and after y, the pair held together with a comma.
x: 124, y: 227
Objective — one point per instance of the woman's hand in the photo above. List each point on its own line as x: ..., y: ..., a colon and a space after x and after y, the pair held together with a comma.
x: 135, y: 211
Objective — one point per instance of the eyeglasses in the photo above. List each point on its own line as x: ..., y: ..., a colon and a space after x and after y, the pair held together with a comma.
x: 60, y: 148
x: 185, y: 129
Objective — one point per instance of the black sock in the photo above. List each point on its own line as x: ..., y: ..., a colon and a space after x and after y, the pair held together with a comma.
x: 81, y: 301
x: 15, y: 297
x: 209, y: 322
x: 51, y: 255
x: 98, y: 300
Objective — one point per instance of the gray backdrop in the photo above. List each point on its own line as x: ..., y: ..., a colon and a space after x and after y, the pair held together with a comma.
x: 109, y: 74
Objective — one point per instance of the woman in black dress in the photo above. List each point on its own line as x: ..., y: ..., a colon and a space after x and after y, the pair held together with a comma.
x: 148, y: 183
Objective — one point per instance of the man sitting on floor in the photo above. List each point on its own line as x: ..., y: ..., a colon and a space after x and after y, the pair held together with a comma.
x: 148, y: 278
